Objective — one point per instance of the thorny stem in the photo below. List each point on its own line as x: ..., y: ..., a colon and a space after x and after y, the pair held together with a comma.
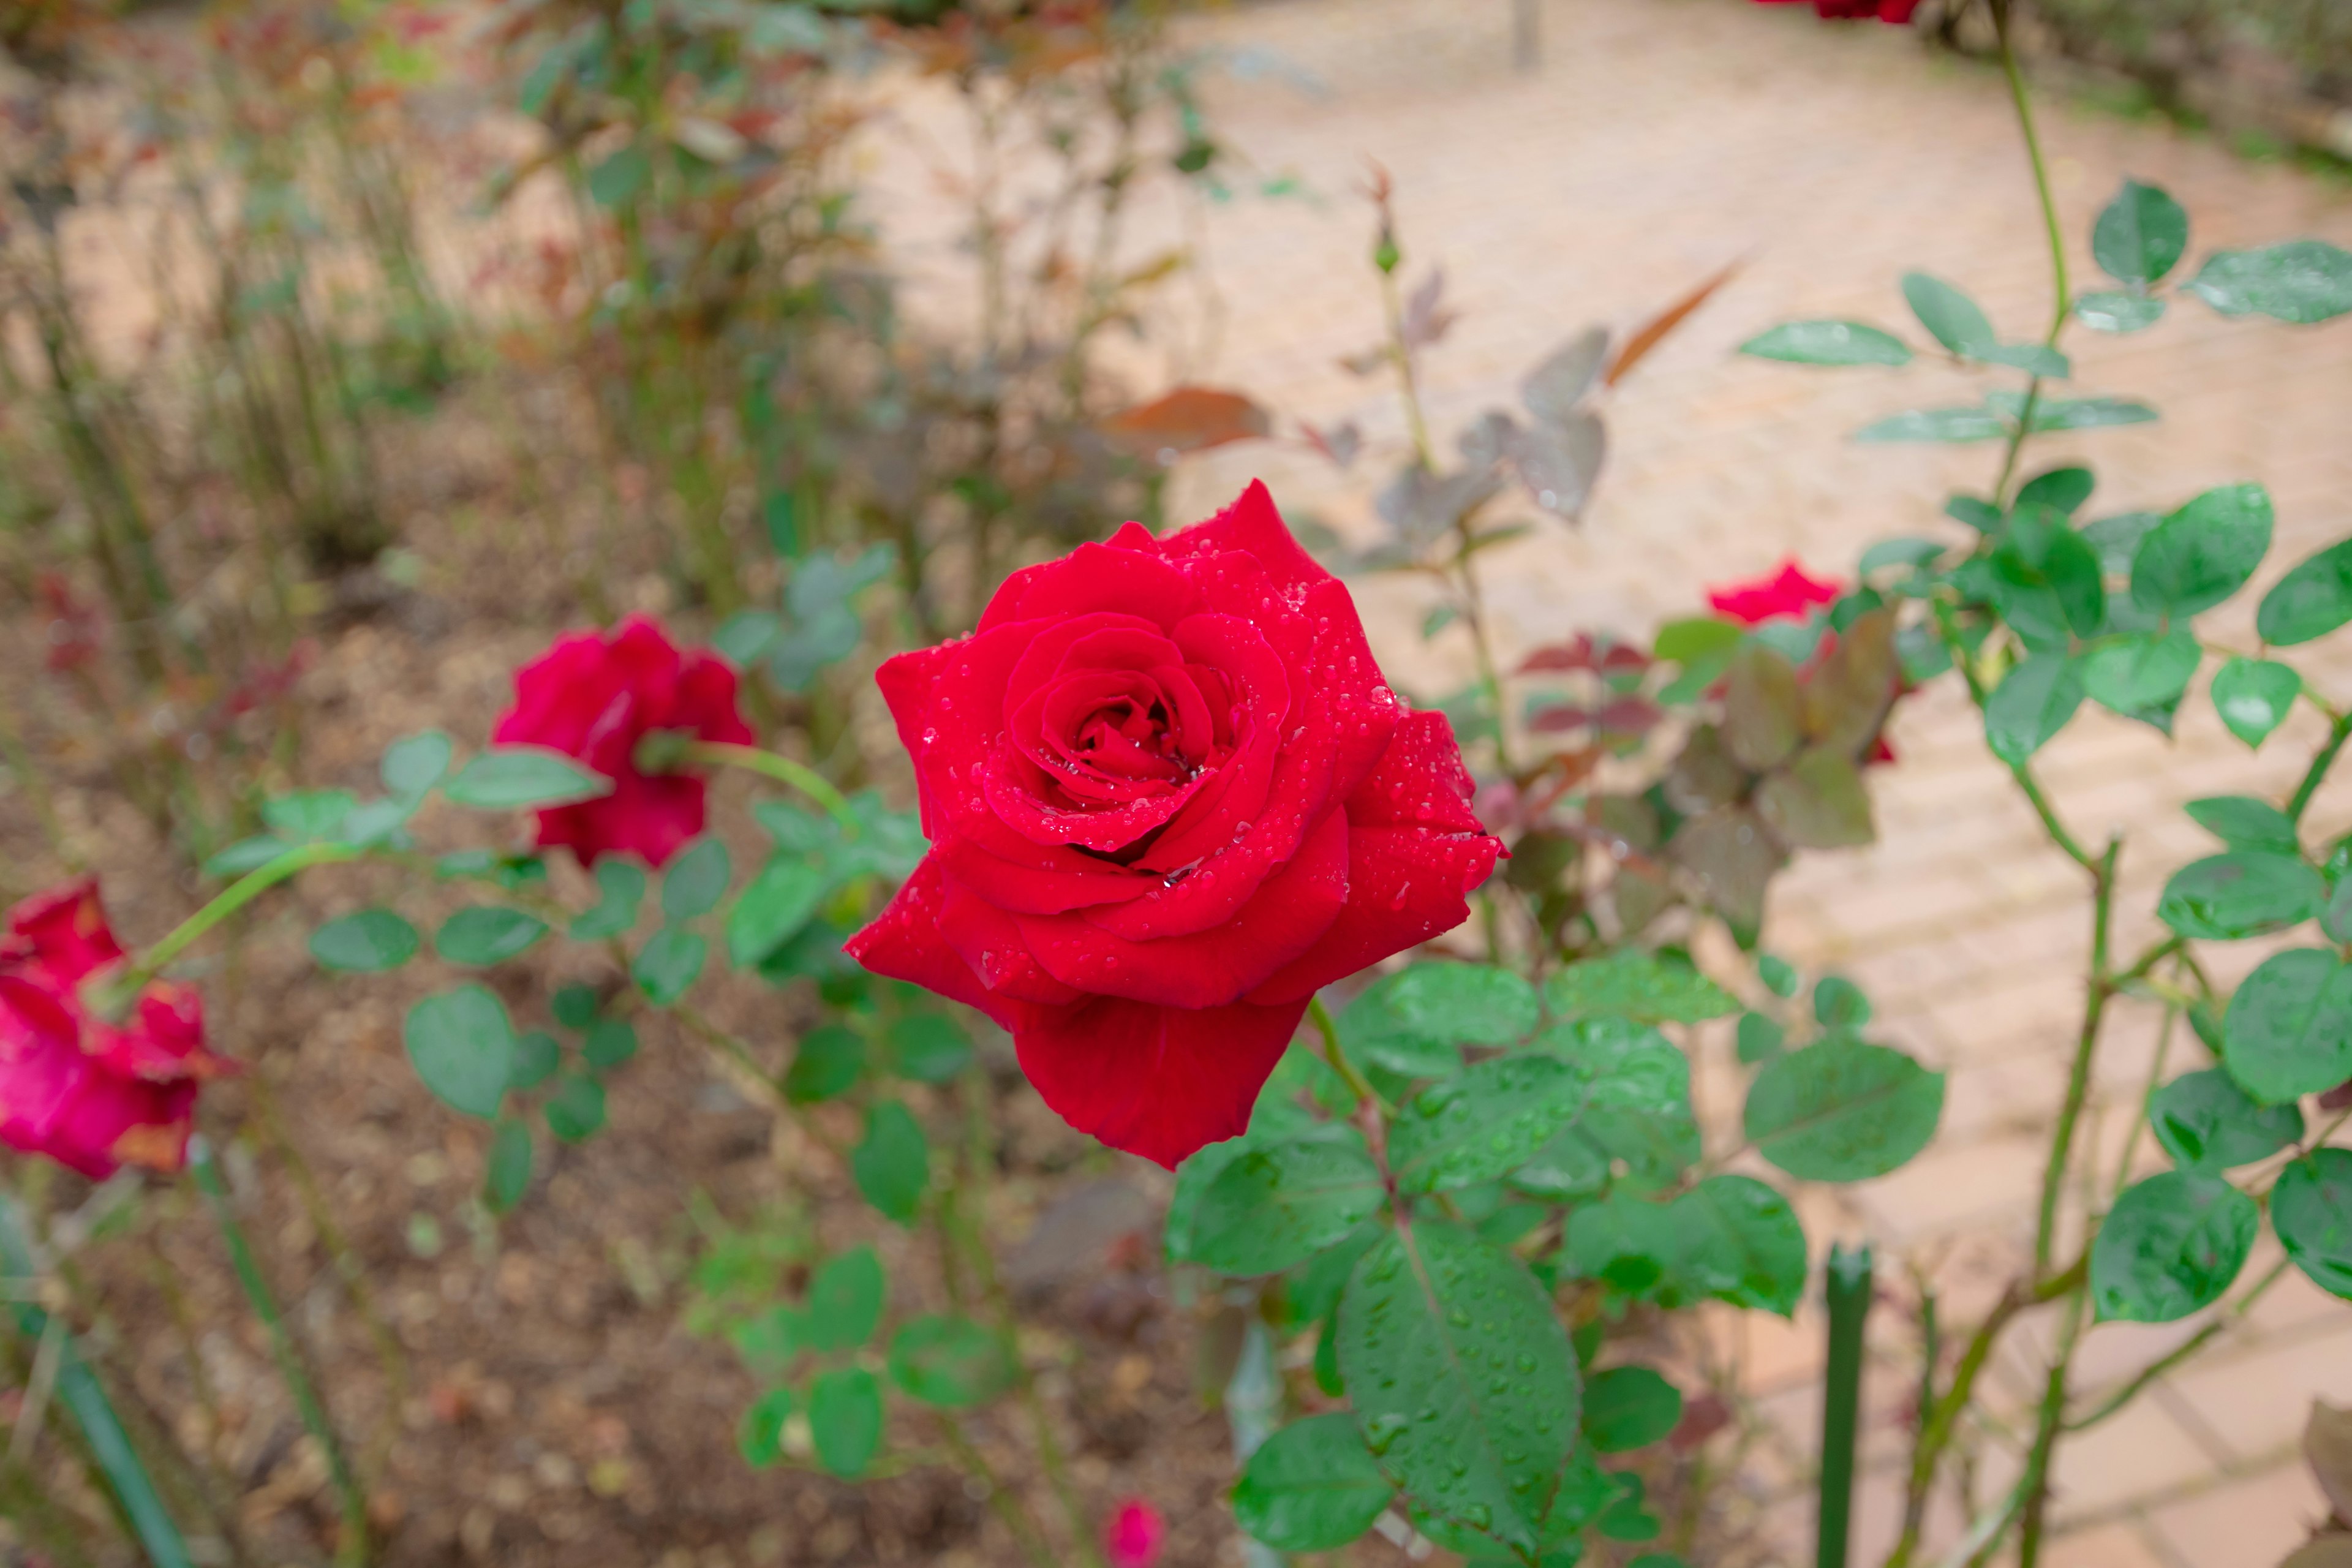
x: 353, y: 1546
x: 2078, y: 1080
x: 1007, y: 1504
x: 2048, y: 1417
x: 2022, y: 771
x: 783, y: 770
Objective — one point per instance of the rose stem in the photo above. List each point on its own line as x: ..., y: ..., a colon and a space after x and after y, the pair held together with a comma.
x: 783, y: 770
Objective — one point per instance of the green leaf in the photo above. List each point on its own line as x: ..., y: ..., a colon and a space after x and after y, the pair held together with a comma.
x: 1976, y: 511
x: 2045, y: 578
x: 574, y: 1006
x: 2118, y: 539
x: 2204, y: 1121
x: 930, y: 1048
x: 2140, y: 235
x: 892, y: 1163
x: 845, y: 1301
x: 367, y: 942
x: 415, y: 763
x: 2053, y: 414
x: 610, y: 1043
x: 2035, y: 359
x: 1737, y: 1240
x: 2244, y: 893
x: 2288, y: 1032
x: 2141, y: 676
x: 1431, y: 1008
x: 2031, y: 704
x: 1626, y: 1243
x: 1649, y: 987
x: 2204, y: 552
x: 669, y: 962
x: 310, y: 815
x: 463, y: 1045
x: 1462, y: 1378
x: 1761, y: 1038
x: 507, y: 1174
x: 696, y: 880
x: 846, y: 1419
x: 514, y: 776
x: 2253, y: 696
x: 781, y: 899
x: 2311, y: 1209
x: 1477, y: 1126
x: 1917, y: 553
x: 2310, y: 601
x: 615, y: 182
x: 1277, y: 1206
x: 622, y: 887
x: 1842, y: 1110
x: 537, y: 1056
x: 2062, y: 490
x: 1779, y: 975
x: 2118, y: 311
x: 2242, y: 822
x: 1951, y: 318
x: 485, y: 936
x: 1311, y: 1487
x: 1629, y: 1407
x: 1817, y: 801
x: 2170, y: 1245
x: 2303, y: 281
x: 1951, y: 426
x: 1839, y: 1004
x: 1828, y: 342
x: 1637, y: 1110
x: 947, y: 1362
x: 825, y: 1064
x: 761, y: 1437
x: 245, y: 854
x: 575, y: 1108
x: 1687, y: 641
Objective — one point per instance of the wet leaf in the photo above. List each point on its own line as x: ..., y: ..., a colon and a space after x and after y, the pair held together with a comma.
x: 2204, y: 1121
x: 2313, y: 599
x: 1828, y: 342
x: 1842, y: 1110
x: 2303, y: 281
x: 2171, y: 1244
x: 2204, y: 552
x: 2311, y: 1209
x: 1478, y: 1125
x: 2253, y: 697
x: 2140, y: 235
x: 2244, y: 893
x: 1277, y: 1206
x: 1311, y: 1487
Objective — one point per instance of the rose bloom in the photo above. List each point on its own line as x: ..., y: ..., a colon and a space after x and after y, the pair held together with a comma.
x: 92, y: 1095
x: 1134, y: 1534
x: 594, y: 697
x: 1895, y: 11
x: 1169, y: 797
x: 1787, y: 595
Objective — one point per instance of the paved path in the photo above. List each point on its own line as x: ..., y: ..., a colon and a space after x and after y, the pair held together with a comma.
x: 1661, y: 140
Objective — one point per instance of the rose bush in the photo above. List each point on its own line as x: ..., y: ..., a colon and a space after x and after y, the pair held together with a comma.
x: 594, y: 697
x: 92, y: 1094
x: 1169, y: 797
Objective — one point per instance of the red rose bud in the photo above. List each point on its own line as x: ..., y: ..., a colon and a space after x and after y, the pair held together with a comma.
x: 1169, y: 797
x: 594, y: 697
x: 93, y: 1096
x: 1787, y: 594
x: 1134, y: 1534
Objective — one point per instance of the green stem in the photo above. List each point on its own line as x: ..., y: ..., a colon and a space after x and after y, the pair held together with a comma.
x: 2049, y: 1420
x: 2062, y: 303
x: 84, y: 1397
x: 119, y: 990
x: 352, y: 1547
x: 2022, y: 771
x: 2317, y: 772
x: 1008, y: 1506
x: 1320, y: 1017
x: 2078, y: 1080
x: 783, y: 770
x: 2179, y: 1353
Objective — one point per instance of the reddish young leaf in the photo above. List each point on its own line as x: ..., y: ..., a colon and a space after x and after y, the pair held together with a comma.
x: 1654, y: 330
x: 1189, y: 419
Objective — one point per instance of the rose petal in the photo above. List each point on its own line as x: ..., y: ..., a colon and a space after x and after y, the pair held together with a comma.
x: 1251, y: 526
x: 903, y: 942
x: 1119, y: 577
x: 64, y: 931
x: 1207, y: 968
x: 1156, y: 1081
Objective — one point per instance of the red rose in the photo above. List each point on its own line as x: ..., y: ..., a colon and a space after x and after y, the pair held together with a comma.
x: 1134, y: 1534
x: 594, y: 698
x: 1897, y: 11
x: 1787, y: 594
x: 1169, y: 797
x: 91, y: 1095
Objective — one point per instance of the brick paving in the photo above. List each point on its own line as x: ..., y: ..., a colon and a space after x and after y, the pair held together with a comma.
x: 1660, y: 140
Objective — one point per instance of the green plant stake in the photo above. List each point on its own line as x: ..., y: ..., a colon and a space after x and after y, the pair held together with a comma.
x: 352, y: 1547
x: 1848, y: 1288
x: 84, y: 1398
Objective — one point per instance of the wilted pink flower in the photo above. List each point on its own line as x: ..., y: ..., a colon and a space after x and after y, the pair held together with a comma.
x: 1134, y: 1534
